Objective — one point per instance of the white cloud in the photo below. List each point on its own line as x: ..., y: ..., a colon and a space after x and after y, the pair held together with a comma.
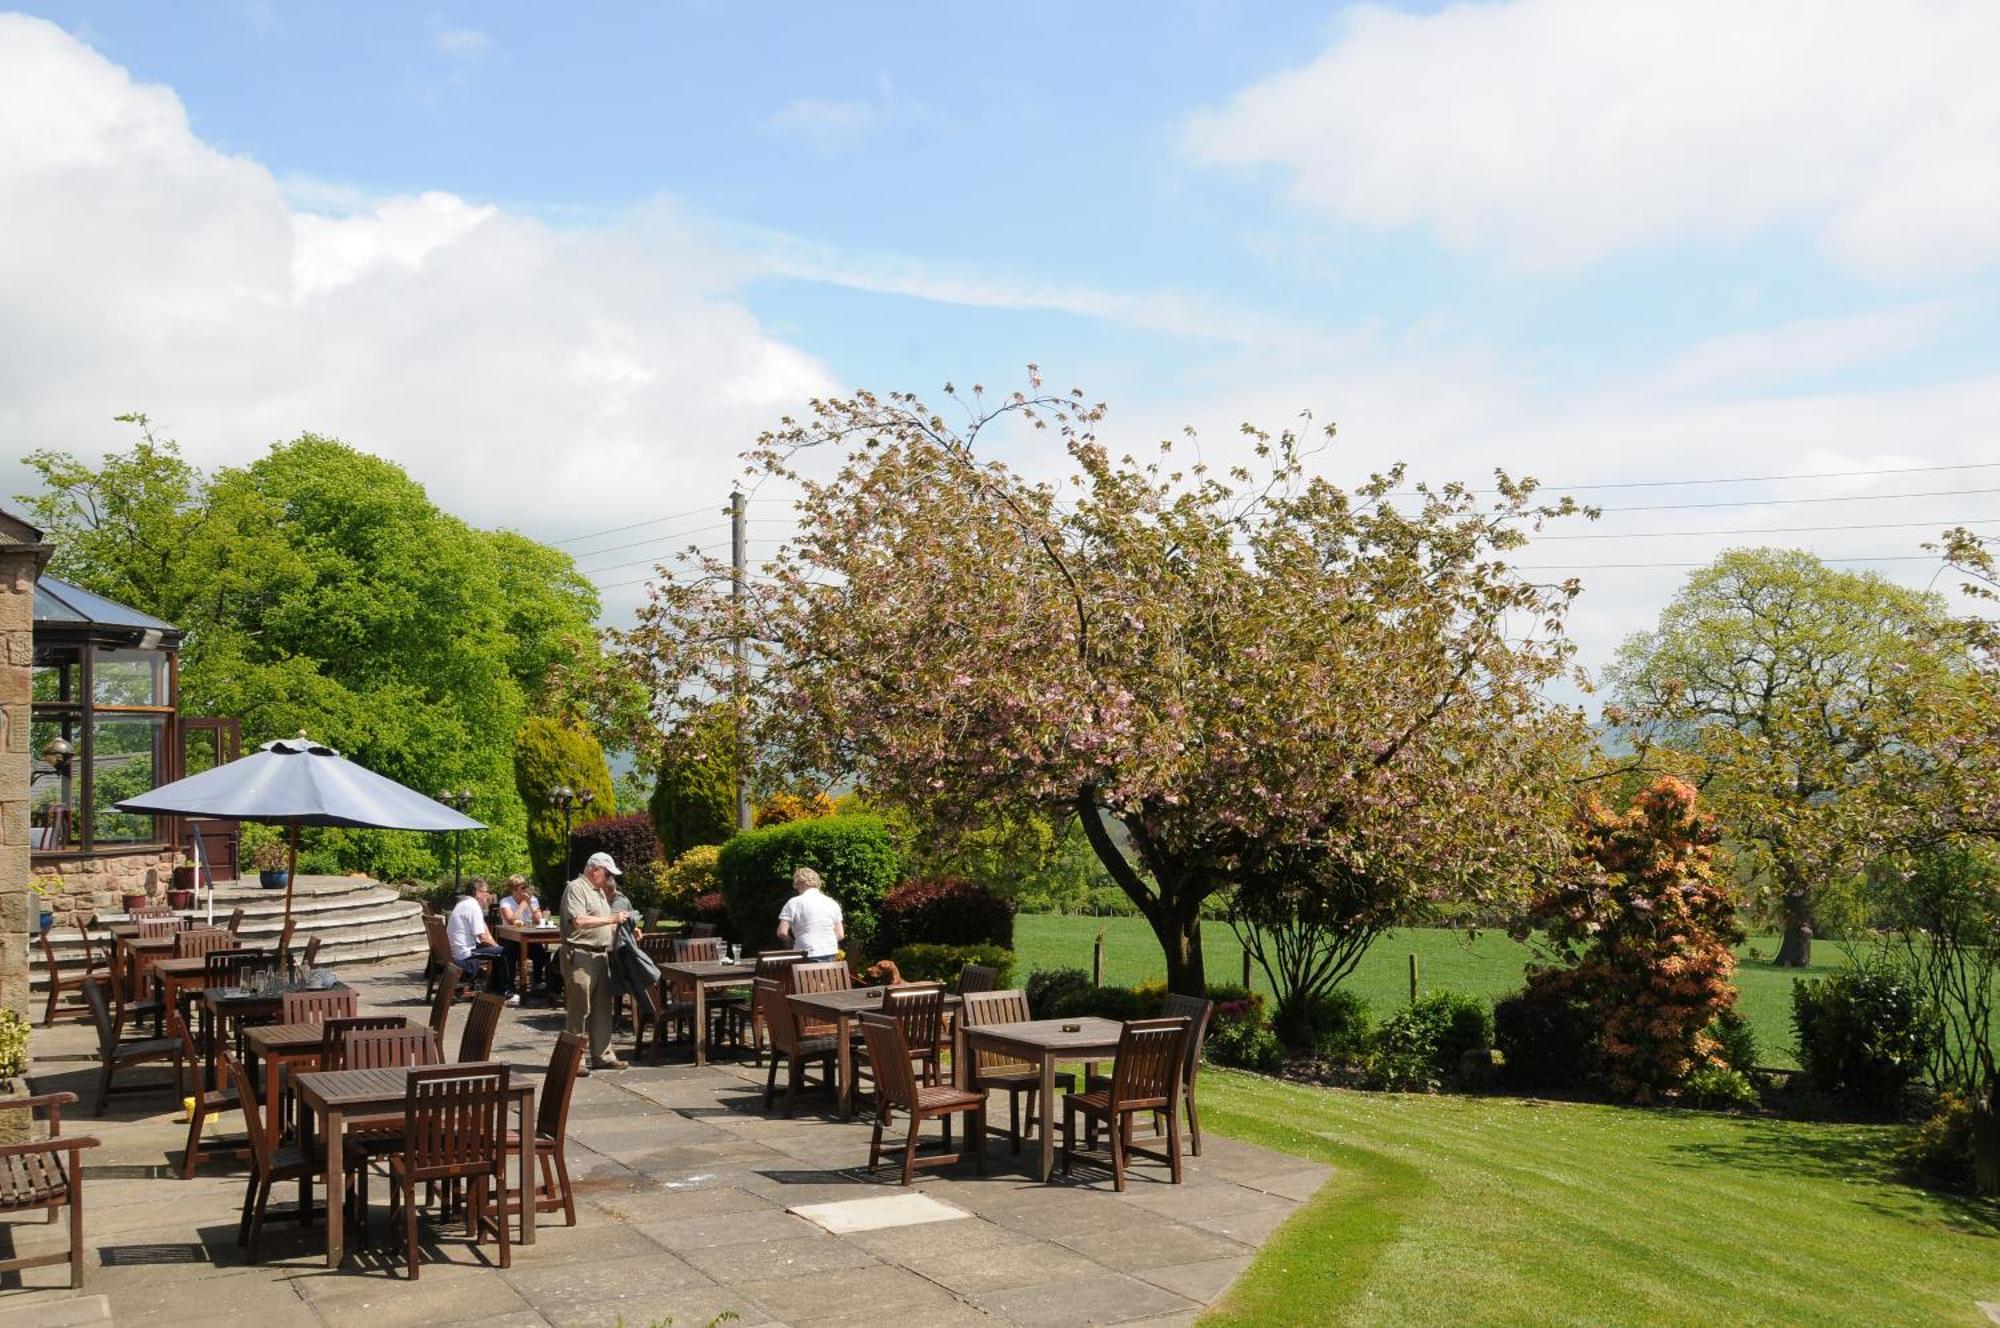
x: 1560, y: 131
x: 830, y: 124
x: 468, y: 45
x: 552, y: 380
x: 1803, y: 348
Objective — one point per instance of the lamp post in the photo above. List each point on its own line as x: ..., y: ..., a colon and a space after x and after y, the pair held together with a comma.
x: 458, y: 802
x: 569, y: 800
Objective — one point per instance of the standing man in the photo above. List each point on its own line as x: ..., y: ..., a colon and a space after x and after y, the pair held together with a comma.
x: 811, y: 919
x: 471, y: 942
x: 588, y: 923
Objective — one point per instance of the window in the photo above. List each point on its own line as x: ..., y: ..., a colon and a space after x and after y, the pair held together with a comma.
x: 103, y: 730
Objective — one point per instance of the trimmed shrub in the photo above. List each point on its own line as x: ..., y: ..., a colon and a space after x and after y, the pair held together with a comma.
x: 1238, y: 1035
x: 854, y: 855
x: 630, y: 840
x: 684, y: 881
x: 1940, y: 1151
x: 1050, y: 987
x: 784, y: 808
x: 1549, y: 1036
x: 548, y: 754
x: 1334, y: 1024
x: 945, y: 910
x: 1735, y: 1041
x: 1863, y: 1035
x: 1419, y: 1045
x: 1720, y: 1088
x: 941, y: 963
x: 695, y: 801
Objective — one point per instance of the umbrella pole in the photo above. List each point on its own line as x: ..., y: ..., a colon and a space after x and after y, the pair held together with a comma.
x: 292, y: 871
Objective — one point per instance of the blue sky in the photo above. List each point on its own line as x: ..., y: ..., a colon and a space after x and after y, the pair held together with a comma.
x: 564, y: 261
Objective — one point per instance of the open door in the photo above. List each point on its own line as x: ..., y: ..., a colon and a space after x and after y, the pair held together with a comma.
x: 205, y: 744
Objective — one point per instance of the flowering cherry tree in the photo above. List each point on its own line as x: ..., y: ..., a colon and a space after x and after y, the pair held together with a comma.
x: 1213, y: 672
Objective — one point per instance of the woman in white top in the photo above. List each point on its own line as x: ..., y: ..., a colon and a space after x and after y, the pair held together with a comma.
x: 811, y: 919
x: 520, y: 908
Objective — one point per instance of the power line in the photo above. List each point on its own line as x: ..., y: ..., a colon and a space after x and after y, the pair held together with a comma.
x: 1780, y: 530
x: 1616, y: 567
x: 641, y: 562
x: 1790, y: 502
x: 656, y: 520
x: 1769, y: 479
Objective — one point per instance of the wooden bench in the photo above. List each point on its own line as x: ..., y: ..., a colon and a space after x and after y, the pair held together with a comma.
x: 46, y: 1175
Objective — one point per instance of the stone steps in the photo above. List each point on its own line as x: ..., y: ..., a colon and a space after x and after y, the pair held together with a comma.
x: 358, y: 921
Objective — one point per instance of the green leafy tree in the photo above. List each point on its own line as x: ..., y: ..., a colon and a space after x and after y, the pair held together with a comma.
x: 695, y: 800
x: 1782, y: 687
x: 550, y: 754
x: 321, y: 590
x: 1216, y: 664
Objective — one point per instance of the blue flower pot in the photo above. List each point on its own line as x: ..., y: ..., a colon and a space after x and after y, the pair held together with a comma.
x: 48, y: 919
x: 274, y: 880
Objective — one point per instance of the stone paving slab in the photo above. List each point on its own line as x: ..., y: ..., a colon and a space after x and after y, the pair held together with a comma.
x: 683, y: 1187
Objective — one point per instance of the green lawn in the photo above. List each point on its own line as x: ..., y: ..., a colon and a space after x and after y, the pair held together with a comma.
x: 1467, y: 1211
x: 1487, y: 966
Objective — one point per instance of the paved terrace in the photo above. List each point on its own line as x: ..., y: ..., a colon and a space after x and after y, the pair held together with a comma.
x: 684, y: 1189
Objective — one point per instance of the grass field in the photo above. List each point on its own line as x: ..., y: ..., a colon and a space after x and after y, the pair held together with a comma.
x: 1488, y: 965
x: 1495, y: 1211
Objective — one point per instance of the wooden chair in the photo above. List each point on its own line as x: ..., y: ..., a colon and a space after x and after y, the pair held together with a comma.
x: 152, y: 911
x: 441, y: 999
x: 1196, y: 1011
x: 454, y: 1129
x: 311, y: 957
x: 208, y: 1100
x: 152, y: 928
x: 896, y: 1086
x: 1147, y: 1077
x: 990, y: 1070
x: 235, y: 924
x: 697, y: 949
x: 333, y: 1035
x: 198, y: 941
x: 46, y: 1175
x: 552, y: 1127
x: 482, y: 1024
x: 831, y: 975
x: 770, y: 964
x: 797, y: 1048
x: 390, y: 1048
x: 60, y: 983
x: 115, y: 1055
x: 270, y: 1164
x: 702, y: 929
x: 439, y: 967
x: 316, y: 1007
x: 283, y: 949
x: 918, y: 1010
x: 132, y: 1001
x: 977, y: 977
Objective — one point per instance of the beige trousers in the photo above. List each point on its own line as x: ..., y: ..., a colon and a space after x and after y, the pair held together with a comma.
x: 589, y: 997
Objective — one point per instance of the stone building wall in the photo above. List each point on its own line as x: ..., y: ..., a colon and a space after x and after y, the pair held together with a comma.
x: 22, y: 555
x: 98, y: 883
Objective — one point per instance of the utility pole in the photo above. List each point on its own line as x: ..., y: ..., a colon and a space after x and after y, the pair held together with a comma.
x: 739, y: 569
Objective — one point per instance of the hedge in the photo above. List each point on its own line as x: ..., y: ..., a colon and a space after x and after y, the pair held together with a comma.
x: 630, y: 840
x: 854, y: 855
x: 946, y: 910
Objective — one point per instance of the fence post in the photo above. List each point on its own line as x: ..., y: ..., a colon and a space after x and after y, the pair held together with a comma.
x: 1246, y: 968
x: 1413, y: 979
x: 1097, y: 960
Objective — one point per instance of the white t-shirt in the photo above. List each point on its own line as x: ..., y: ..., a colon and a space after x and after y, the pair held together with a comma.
x: 515, y: 912
x: 467, y: 921
x: 812, y: 917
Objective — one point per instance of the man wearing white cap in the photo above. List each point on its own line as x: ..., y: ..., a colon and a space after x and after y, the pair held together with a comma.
x: 588, y: 923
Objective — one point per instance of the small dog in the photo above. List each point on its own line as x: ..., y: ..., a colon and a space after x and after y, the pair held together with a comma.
x: 885, y: 972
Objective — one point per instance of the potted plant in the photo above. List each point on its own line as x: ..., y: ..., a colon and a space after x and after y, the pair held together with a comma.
x: 269, y: 860
x: 134, y: 898
x: 46, y: 888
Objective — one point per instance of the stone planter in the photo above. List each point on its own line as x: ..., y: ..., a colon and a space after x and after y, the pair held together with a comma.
x: 181, y: 899
x: 134, y: 899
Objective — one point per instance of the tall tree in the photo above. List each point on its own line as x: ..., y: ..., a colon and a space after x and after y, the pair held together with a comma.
x: 321, y: 589
x: 1217, y: 664
x: 1781, y: 686
x: 695, y: 800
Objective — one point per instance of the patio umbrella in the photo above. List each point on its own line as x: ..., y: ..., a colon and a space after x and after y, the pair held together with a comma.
x: 296, y: 782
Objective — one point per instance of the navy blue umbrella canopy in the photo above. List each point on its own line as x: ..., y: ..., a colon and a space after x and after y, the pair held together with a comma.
x: 298, y: 782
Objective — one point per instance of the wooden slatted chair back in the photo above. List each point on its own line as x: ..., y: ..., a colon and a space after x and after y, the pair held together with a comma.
x: 454, y: 1121
x: 658, y: 946
x: 154, y: 911
x: 391, y: 1048
x: 49, y: 956
x: 778, y: 965
x: 996, y: 1007
x: 482, y: 1024
x: 447, y: 992
x: 253, y: 1116
x: 316, y: 1007
x: 100, y: 1015
x: 177, y: 1028
x: 769, y: 995
x: 702, y: 929
x: 889, y: 1059
x: 312, y: 952
x: 1197, y: 1012
x: 831, y: 975
x: 202, y: 940
x: 918, y: 1010
x: 558, y: 1084
x: 235, y: 923
x: 1148, y: 1072
x: 438, y: 937
x: 225, y: 968
x: 152, y: 928
x: 977, y: 977
x: 333, y: 1035
x: 697, y: 949
x: 284, y: 946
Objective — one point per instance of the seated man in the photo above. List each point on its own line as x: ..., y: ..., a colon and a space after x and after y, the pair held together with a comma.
x: 472, y: 943
x: 520, y: 908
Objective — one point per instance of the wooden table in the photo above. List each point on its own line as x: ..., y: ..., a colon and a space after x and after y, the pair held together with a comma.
x: 525, y: 940
x: 223, y: 1006
x: 843, y: 1007
x: 702, y: 975
x: 1044, y: 1042
x: 337, y: 1098
x: 280, y: 1047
